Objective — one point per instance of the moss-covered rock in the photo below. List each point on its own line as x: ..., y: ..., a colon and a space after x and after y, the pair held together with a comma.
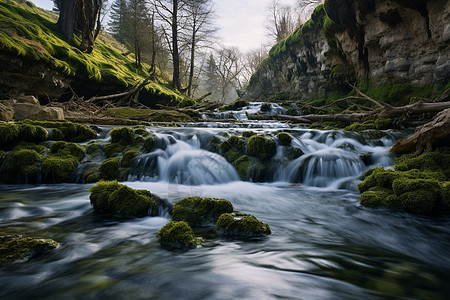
x: 58, y: 169
x: 250, y: 168
x: 375, y: 197
x: 214, y: 144
x: 22, y: 166
x: 284, y: 139
x: 127, y: 157
x: 261, y: 147
x: 150, y: 143
x: 291, y: 153
x: 68, y: 149
x: 404, y: 185
x: 34, y: 134
x: 114, y: 149
x: 65, y: 130
x: 120, y: 200
x: 248, y: 134
x: 244, y: 227
x: 233, y: 148
x: 109, y: 169
x: 419, y: 201
x: 178, y: 235
x: 19, y: 249
x: 198, y: 211
x: 445, y: 195
x: 91, y: 173
x: 123, y: 136
x: 9, y: 135
x: 429, y: 161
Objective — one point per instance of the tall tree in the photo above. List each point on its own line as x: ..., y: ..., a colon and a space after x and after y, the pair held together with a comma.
x: 200, y: 30
x: 170, y: 12
x: 280, y: 22
x: 117, y: 26
x: 81, y: 15
x: 228, y: 68
x: 305, y: 8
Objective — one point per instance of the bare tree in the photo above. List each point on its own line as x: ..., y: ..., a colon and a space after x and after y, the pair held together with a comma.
x: 305, y: 9
x: 229, y: 67
x: 200, y: 31
x: 280, y: 22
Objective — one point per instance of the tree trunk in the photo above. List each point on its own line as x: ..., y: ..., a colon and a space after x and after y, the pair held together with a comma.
x: 175, y: 52
x: 66, y: 19
x: 191, y: 71
x: 427, y: 137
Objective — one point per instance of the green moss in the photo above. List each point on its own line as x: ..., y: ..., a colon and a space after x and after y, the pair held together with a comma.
x: 291, y: 153
x: 250, y: 168
x: 168, y: 116
x: 238, y: 103
x: 445, y: 195
x: 92, y: 174
x: 123, y: 135
x: 375, y: 197
x: 22, y: 166
x: 120, y: 200
x: 186, y: 102
x: 34, y: 134
x: 261, y: 147
x: 200, y: 211
x: 429, y: 161
x: 65, y: 130
x: 94, y: 150
x: 383, y: 123
x: 245, y: 227
x: 68, y: 149
x: 178, y: 235
x: 233, y: 148
x: 128, y: 157
x: 214, y: 144
x: 21, y: 249
x: 404, y: 185
x: 39, y: 148
x: 58, y: 169
x: 150, y: 143
x: 247, y: 134
x: 9, y: 135
x: 110, y: 168
x: 242, y: 165
x: 114, y: 149
x: 419, y: 201
x: 284, y: 138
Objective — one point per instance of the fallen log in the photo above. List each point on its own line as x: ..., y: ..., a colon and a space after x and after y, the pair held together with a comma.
x: 427, y: 137
x: 308, y: 119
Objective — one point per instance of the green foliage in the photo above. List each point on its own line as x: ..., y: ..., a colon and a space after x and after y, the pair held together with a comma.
x: 245, y: 227
x: 261, y: 147
x: 120, y: 200
x: 19, y: 248
x: 22, y: 166
x: 284, y: 138
x: 233, y: 148
x: 178, y: 235
x: 198, y: 211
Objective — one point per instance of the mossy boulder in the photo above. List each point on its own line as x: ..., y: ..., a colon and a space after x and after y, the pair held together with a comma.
x: 123, y: 135
x: 291, y: 153
x: 429, y: 161
x: 33, y: 134
x: 445, y: 195
x: 59, y: 166
x: 128, y: 157
x: 233, y: 148
x: 214, y: 144
x: 375, y: 197
x: 178, y: 235
x: 110, y: 169
x: 404, y: 185
x: 419, y: 201
x: 150, y: 143
x: 9, y: 135
x: 65, y: 130
x: 120, y: 200
x: 19, y: 249
x: 250, y: 168
x: 198, y: 211
x: 114, y: 149
x: 248, y: 134
x: 261, y: 147
x: 22, y: 166
x: 284, y: 139
x: 246, y: 226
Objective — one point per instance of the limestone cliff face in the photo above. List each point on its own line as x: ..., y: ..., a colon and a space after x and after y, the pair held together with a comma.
x: 381, y: 42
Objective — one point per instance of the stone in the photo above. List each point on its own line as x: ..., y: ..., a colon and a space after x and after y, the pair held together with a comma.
x: 6, y: 113
x: 24, y: 111
x: 27, y: 99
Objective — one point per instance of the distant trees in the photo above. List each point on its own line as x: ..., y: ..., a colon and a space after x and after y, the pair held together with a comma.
x: 280, y: 22
x: 81, y: 15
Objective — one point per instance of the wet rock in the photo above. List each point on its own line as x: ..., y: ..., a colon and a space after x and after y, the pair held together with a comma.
x: 178, y: 235
x: 198, y: 211
x: 246, y: 226
x: 19, y: 249
x: 6, y: 112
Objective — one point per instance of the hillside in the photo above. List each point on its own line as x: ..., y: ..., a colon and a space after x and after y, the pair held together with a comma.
x: 36, y: 60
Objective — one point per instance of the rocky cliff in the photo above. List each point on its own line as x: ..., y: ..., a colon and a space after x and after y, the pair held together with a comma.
x: 384, y: 42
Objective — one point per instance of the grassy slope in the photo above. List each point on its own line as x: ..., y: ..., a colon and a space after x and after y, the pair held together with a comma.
x: 30, y: 32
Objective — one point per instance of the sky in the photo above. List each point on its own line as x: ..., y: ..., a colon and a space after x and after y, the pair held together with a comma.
x: 241, y: 22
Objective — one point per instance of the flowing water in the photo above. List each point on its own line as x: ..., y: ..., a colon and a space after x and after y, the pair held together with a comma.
x: 323, y: 245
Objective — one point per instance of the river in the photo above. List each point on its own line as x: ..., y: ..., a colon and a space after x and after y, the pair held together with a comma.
x: 323, y: 245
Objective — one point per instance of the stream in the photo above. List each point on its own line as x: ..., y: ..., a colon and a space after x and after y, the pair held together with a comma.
x: 324, y: 244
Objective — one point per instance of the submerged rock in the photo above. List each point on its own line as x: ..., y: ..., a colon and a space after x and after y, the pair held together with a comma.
x: 198, y: 211
x: 19, y: 249
x: 178, y: 235
x: 261, y: 147
x: 246, y: 226
x: 122, y: 201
